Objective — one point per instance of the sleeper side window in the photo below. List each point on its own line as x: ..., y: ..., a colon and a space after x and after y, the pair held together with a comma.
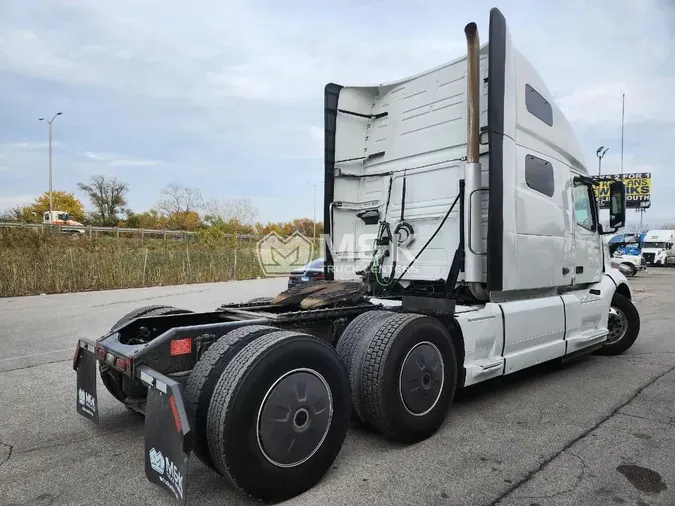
x: 539, y: 175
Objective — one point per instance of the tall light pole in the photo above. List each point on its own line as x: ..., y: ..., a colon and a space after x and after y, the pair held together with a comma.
x: 600, y: 155
x: 314, y: 185
x: 623, y: 107
x: 49, y: 122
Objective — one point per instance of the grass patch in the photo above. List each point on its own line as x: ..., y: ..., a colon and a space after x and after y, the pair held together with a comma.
x: 35, y: 262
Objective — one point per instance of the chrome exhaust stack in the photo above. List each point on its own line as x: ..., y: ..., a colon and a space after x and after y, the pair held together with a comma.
x: 473, y: 260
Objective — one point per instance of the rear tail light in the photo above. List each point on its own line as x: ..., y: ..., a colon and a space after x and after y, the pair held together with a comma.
x: 121, y: 364
x: 101, y: 353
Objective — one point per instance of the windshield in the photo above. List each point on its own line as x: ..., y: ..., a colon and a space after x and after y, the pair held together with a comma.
x: 654, y: 245
x: 315, y: 264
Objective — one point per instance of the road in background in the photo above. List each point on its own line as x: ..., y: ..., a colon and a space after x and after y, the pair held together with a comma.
x: 598, y: 430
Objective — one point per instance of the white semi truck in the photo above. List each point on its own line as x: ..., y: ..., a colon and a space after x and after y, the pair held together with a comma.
x: 658, y: 247
x: 63, y: 220
x: 463, y: 244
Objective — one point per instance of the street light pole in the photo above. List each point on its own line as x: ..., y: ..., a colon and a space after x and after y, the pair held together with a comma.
x: 314, y: 218
x: 600, y: 154
x: 49, y: 123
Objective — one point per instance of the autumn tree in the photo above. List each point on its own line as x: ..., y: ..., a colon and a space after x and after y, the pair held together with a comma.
x: 61, y: 201
x: 230, y: 210
x: 180, y: 204
x: 183, y: 220
x: 32, y: 213
x: 305, y: 226
x: 21, y: 214
x: 107, y: 196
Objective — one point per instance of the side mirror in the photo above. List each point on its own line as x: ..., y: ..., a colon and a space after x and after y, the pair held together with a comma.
x: 617, y: 204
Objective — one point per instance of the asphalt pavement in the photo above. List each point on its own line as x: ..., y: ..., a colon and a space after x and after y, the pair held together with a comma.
x: 599, y: 430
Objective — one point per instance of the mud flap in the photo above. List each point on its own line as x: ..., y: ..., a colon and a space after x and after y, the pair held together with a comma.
x: 168, y: 436
x: 84, y: 363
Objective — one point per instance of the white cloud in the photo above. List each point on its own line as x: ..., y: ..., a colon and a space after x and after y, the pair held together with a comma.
x: 94, y: 156
x: 119, y: 161
x: 30, y: 145
x: 135, y: 163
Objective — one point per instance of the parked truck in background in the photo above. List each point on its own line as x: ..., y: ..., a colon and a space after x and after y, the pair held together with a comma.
x: 463, y: 244
x: 63, y: 220
x: 658, y: 247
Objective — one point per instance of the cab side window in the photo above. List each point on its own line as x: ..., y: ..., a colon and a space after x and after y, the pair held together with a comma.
x: 584, y: 211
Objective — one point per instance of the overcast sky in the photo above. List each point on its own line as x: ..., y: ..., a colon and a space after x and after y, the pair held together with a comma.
x: 227, y: 96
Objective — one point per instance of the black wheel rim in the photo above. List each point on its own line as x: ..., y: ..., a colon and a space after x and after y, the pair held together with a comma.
x: 422, y: 378
x: 617, y: 325
x: 294, y: 417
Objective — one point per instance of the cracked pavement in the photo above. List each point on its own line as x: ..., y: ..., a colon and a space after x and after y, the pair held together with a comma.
x: 599, y: 430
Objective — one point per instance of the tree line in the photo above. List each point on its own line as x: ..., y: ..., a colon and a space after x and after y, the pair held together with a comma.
x: 179, y: 207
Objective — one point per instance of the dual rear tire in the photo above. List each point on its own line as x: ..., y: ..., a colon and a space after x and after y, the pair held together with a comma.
x: 270, y: 410
x: 403, y: 373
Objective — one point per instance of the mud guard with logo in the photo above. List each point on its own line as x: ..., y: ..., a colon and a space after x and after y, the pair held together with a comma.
x: 168, y: 437
x: 85, y: 365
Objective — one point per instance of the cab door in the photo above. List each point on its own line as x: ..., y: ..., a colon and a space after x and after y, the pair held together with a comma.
x: 587, y: 240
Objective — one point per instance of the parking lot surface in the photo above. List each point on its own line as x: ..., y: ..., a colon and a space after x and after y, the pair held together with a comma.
x: 598, y: 430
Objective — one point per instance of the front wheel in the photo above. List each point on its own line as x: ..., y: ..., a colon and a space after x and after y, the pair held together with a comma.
x: 623, y: 325
x: 633, y: 269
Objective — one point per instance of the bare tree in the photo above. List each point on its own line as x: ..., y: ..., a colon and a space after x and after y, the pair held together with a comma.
x: 107, y: 195
x: 16, y: 214
x: 179, y: 199
x: 228, y: 209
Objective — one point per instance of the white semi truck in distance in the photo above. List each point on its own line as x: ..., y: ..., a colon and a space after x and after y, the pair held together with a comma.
x: 463, y: 244
x: 63, y: 220
x: 658, y: 247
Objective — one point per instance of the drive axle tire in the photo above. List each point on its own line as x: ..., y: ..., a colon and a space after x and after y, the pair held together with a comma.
x: 623, y: 324
x: 359, y: 330
x: 114, y: 381
x: 355, y: 332
x: 206, y: 374
x: 279, y: 415
x: 405, y: 377
x: 136, y: 313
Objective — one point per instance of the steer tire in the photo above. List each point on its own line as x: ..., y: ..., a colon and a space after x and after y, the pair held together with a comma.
x: 359, y: 330
x: 120, y: 386
x: 205, y: 375
x: 620, y: 342
x: 633, y: 269
x: 405, y: 377
x: 285, y: 388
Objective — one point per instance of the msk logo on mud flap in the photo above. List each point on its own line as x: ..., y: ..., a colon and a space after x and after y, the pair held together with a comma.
x: 163, y: 466
x: 87, y: 401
